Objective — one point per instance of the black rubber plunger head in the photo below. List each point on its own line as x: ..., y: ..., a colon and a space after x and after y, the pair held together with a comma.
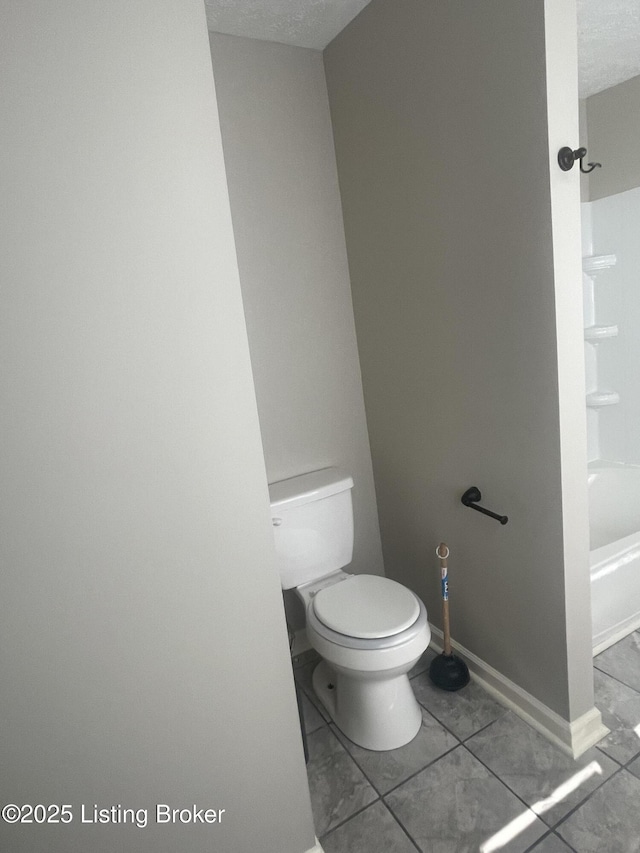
x: 449, y: 672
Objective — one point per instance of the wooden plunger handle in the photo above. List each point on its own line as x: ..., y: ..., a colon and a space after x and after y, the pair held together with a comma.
x: 443, y: 552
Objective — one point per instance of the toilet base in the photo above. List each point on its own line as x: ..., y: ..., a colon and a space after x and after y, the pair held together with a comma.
x: 377, y: 711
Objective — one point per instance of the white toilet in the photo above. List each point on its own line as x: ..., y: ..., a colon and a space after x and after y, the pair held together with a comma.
x: 369, y: 630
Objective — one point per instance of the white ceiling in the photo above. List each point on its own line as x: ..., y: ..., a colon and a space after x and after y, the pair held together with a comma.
x: 608, y: 30
x: 608, y: 43
x: 307, y: 23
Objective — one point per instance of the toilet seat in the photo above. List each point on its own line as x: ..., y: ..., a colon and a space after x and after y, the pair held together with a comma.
x: 316, y: 627
x: 366, y: 607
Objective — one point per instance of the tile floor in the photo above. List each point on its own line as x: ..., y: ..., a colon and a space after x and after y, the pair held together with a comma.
x: 477, y: 778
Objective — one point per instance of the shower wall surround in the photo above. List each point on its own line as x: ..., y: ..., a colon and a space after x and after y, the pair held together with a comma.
x: 595, y: 281
x: 614, y: 231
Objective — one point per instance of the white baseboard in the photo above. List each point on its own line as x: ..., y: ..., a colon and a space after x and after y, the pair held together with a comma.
x: 300, y: 643
x: 573, y: 738
x: 616, y: 633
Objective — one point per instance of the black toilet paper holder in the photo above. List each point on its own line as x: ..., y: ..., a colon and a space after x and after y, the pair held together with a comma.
x: 471, y: 498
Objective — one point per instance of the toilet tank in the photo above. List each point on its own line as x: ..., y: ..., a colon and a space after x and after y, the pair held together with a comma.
x: 312, y: 525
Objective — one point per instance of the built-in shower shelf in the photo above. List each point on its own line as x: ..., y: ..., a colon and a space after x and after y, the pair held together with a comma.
x: 596, y: 263
x: 593, y: 334
x: 598, y: 399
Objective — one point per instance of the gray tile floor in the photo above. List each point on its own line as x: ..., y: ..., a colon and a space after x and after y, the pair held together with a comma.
x: 478, y: 779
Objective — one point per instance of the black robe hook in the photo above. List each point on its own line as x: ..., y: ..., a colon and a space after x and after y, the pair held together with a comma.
x: 567, y: 157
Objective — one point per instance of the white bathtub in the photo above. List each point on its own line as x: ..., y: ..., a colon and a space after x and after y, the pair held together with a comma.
x: 614, y: 522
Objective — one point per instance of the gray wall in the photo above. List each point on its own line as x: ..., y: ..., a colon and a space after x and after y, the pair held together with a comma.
x: 443, y: 156
x: 613, y: 124
x: 144, y: 655
x: 287, y: 219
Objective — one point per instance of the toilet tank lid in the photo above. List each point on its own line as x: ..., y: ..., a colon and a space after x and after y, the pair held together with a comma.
x: 308, y: 487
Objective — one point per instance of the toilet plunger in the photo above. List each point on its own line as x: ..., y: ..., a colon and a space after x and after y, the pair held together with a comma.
x: 447, y: 670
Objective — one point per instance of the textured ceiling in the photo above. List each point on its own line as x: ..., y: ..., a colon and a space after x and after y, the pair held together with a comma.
x: 307, y: 23
x: 608, y: 30
x: 608, y: 43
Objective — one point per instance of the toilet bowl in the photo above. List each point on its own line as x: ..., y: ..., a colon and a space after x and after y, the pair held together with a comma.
x: 362, y: 680
x: 369, y: 630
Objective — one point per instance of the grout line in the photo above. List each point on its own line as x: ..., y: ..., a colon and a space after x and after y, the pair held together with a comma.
x: 418, y: 772
x: 619, y: 680
x: 320, y: 713
x: 553, y: 826
x: 484, y: 728
x: 531, y: 848
x: 332, y: 725
x: 402, y: 827
x: 548, y: 834
x: 347, y: 819
x: 451, y: 732
x: 625, y: 766
x: 610, y: 757
x: 315, y: 702
x: 440, y: 722
x: 377, y: 798
x: 586, y: 800
x: 506, y: 785
x: 395, y: 787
